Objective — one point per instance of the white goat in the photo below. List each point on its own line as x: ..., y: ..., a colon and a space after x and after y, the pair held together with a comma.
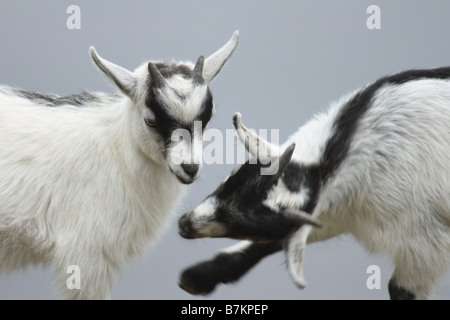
x: 91, y: 179
x: 376, y: 165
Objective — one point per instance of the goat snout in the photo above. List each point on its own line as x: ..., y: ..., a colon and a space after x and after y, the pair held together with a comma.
x: 190, y: 169
x: 185, y: 228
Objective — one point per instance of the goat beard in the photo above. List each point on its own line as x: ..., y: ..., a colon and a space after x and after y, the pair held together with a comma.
x: 295, y: 250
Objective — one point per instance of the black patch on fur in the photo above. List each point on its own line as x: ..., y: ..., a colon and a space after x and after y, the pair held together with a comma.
x: 348, y: 119
x: 51, y: 100
x: 166, y: 123
x: 240, y: 207
x: 293, y: 177
x: 350, y: 115
x: 203, y: 277
x: 240, y: 203
x: 247, y: 186
x: 259, y: 223
x: 397, y: 292
x: 311, y: 182
x: 411, y: 75
x: 206, y: 111
x: 240, y: 199
x: 169, y: 70
x: 297, y: 176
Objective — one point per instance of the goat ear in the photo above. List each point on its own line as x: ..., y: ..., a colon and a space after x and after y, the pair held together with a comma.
x: 255, y: 145
x: 295, y: 250
x: 121, y: 77
x: 215, y: 62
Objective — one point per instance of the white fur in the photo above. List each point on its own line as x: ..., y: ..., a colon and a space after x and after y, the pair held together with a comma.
x: 76, y: 189
x: 392, y: 191
x: 237, y: 247
x: 88, y: 185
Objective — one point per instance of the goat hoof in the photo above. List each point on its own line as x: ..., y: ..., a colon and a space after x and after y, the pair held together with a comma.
x: 197, y: 282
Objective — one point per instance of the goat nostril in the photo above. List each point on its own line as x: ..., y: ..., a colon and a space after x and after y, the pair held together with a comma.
x: 190, y: 169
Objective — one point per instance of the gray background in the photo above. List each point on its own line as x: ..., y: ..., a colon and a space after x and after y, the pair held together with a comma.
x: 294, y: 58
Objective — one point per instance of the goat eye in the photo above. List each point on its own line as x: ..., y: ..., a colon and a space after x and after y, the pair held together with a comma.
x: 150, y: 123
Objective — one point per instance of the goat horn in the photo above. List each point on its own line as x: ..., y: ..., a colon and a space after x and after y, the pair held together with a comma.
x: 301, y: 217
x: 197, y: 72
x: 156, y: 77
x: 254, y: 144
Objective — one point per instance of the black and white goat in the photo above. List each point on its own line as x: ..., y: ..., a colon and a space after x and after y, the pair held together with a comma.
x: 376, y: 165
x: 91, y: 179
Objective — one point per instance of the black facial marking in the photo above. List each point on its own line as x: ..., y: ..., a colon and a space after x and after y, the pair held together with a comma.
x: 397, y: 292
x: 203, y: 277
x: 77, y: 100
x: 165, y: 123
x: 247, y: 186
x: 246, y: 189
x: 240, y: 206
x: 206, y: 110
x: 259, y: 223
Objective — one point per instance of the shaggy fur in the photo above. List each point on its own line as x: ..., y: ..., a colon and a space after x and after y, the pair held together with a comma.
x: 88, y: 179
x: 375, y: 165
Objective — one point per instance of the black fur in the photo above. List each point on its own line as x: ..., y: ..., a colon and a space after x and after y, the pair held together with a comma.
x: 397, y: 292
x: 293, y: 177
x: 260, y: 223
x: 169, y: 70
x: 245, y: 190
x: 165, y: 123
x: 206, y: 111
x: 51, y: 100
x: 246, y: 186
x: 240, y: 209
x: 297, y: 176
x: 411, y: 75
x: 311, y: 182
x: 350, y: 115
x: 346, y: 123
x: 203, y: 277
